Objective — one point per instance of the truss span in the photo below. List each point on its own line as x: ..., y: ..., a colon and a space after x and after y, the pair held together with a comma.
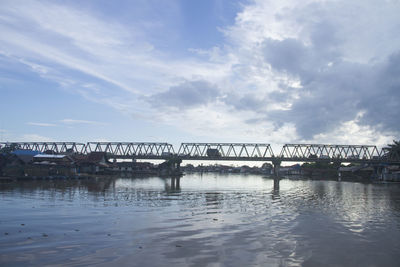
x: 219, y: 151
x: 225, y: 151
x: 132, y: 149
x: 115, y: 149
x: 54, y: 147
x: 330, y: 152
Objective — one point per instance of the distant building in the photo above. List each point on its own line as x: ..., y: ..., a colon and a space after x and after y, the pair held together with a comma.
x: 47, y: 165
x: 97, y: 157
x: 135, y: 167
x: 95, y: 162
x: 50, y: 158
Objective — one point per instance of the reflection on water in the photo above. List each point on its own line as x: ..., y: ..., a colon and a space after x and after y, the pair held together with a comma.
x: 199, y: 220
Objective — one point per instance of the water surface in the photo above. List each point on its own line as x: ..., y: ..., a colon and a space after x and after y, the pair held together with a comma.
x: 205, y: 220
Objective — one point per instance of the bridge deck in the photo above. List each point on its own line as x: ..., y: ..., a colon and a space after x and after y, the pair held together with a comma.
x: 219, y: 151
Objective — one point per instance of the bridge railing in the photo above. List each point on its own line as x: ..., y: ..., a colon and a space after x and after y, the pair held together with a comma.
x: 225, y: 150
x: 335, y: 152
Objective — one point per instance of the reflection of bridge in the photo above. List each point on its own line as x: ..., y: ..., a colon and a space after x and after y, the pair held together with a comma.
x: 219, y: 151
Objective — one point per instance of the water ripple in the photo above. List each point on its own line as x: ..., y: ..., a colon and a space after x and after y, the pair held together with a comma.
x: 224, y: 220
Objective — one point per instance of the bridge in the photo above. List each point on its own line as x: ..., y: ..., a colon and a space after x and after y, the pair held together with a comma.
x: 219, y: 151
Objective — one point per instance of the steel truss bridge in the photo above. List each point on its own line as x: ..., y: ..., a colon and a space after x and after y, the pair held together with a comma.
x: 220, y: 151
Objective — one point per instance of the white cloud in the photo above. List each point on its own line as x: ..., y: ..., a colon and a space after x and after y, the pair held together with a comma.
x: 352, y: 133
x: 63, y: 36
x: 42, y: 124
x: 287, y: 71
x: 73, y: 121
x: 335, y: 52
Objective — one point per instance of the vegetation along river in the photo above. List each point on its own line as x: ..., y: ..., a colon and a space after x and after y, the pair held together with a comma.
x: 205, y: 220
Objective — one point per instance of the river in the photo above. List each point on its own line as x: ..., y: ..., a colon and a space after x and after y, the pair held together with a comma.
x: 205, y: 220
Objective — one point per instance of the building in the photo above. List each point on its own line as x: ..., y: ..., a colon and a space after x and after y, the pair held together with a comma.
x: 95, y: 162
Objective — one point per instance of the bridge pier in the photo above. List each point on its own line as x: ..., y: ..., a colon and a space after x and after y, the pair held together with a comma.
x: 276, y: 165
x: 175, y: 183
x: 171, y: 167
x: 276, y: 185
x: 339, y: 174
x: 378, y: 172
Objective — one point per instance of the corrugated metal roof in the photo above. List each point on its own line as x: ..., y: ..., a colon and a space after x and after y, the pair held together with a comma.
x: 49, y: 156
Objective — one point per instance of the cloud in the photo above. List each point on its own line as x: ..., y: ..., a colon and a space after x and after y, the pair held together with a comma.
x: 73, y: 121
x: 335, y: 91
x: 247, y: 101
x: 186, y: 95
x: 322, y: 82
x: 286, y: 70
x: 42, y: 124
x: 382, y: 103
x: 63, y: 36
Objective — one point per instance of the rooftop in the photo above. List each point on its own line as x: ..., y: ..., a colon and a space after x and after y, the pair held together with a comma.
x: 49, y: 156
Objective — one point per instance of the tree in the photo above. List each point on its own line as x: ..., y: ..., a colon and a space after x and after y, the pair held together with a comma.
x: 8, y: 148
x: 392, y: 152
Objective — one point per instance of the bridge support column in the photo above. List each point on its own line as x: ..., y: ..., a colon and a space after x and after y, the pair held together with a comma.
x: 276, y: 185
x: 337, y: 165
x: 276, y: 164
x: 171, y: 167
x: 378, y: 172
x: 175, y: 183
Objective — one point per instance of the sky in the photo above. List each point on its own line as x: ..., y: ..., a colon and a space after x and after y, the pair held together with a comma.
x: 255, y: 71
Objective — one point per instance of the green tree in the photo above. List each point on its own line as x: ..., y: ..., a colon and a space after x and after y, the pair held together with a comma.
x: 8, y: 148
x: 393, y: 150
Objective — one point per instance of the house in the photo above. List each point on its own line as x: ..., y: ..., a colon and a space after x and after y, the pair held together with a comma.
x: 45, y: 165
x: 95, y: 162
x: 51, y: 158
x: 97, y: 157
x: 135, y: 167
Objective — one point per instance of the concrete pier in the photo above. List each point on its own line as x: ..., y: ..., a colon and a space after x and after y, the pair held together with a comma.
x: 276, y: 163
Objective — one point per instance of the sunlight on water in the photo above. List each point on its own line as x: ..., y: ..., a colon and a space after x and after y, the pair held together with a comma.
x: 209, y: 219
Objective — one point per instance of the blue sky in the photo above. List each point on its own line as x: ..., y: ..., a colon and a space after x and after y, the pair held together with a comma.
x: 200, y: 71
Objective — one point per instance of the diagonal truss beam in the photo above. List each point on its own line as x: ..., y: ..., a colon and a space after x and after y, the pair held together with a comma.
x: 225, y: 151
x: 330, y: 152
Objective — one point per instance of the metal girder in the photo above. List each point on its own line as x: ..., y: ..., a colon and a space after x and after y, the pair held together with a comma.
x: 220, y: 151
x: 232, y: 151
x: 56, y: 147
x: 130, y: 149
x: 333, y: 152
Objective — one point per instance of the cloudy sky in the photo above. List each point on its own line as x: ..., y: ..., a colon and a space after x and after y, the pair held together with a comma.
x: 200, y: 71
